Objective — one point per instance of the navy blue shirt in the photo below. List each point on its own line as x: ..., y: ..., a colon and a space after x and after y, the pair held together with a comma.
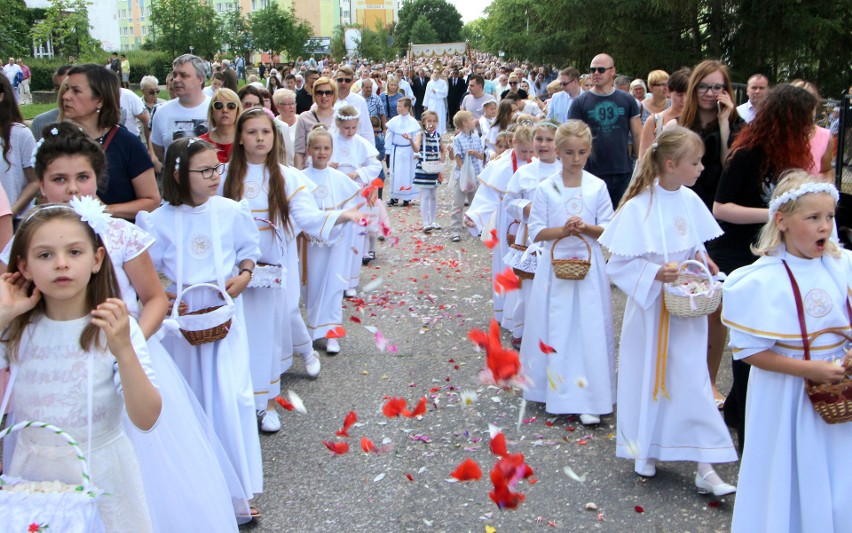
x: 609, y: 119
x: 126, y: 159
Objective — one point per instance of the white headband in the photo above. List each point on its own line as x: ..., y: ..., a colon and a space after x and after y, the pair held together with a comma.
x: 90, y: 211
x: 801, y: 190
x: 338, y: 116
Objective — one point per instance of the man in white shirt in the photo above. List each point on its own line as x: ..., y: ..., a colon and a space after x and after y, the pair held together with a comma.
x: 12, y: 71
x: 758, y: 86
x: 133, y: 108
x: 186, y: 115
x: 559, y: 105
x: 344, y: 77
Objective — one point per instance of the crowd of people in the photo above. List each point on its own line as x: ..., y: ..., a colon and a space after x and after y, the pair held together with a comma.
x: 162, y: 249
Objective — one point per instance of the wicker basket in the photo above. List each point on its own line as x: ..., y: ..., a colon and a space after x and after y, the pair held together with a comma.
x: 833, y: 401
x: 694, y: 305
x: 210, y: 324
x: 510, y: 237
x: 76, y: 509
x: 573, y: 269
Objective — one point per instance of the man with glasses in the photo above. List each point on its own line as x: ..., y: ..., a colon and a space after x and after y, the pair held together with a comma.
x: 758, y: 86
x: 569, y: 80
x: 344, y: 78
x: 304, y: 96
x: 612, y: 116
x: 186, y: 115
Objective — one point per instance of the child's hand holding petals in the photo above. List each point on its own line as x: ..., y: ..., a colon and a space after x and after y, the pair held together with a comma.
x: 824, y: 372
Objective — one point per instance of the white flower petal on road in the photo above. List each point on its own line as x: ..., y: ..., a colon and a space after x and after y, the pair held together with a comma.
x: 297, y: 402
x: 373, y: 285
x: 573, y: 475
x: 493, y: 430
x: 379, y: 477
x: 468, y: 398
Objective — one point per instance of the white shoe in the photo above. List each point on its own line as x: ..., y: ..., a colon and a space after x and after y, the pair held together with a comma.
x: 590, y: 420
x: 332, y: 347
x: 435, y: 225
x: 718, y: 489
x: 646, y: 468
x: 312, y: 363
x: 350, y: 293
x: 270, y: 423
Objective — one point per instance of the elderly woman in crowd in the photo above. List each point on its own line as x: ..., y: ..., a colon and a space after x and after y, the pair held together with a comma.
x: 284, y: 101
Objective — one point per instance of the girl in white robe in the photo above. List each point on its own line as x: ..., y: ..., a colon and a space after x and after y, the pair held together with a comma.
x: 570, y: 210
x: 436, y: 99
x: 327, y: 257
x: 67, y: 163
x: 665, y: 403
x: 201, y: 238
x: 401, y: 155
x: 357, y: 158
x: 517, y: 203
x: 485, y: 212
x: 795, y: 468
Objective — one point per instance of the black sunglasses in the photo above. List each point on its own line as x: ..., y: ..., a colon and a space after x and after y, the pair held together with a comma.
x: 218, y: 106
x: 599, y: 70
x: 323, y: 93
x: 344, y: 80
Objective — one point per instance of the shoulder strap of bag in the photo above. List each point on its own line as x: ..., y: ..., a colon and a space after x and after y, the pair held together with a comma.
x: 109, y: 137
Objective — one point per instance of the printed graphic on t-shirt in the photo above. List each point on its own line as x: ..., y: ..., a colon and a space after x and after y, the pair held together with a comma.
x: 188, y: 128
x: 606, y: 114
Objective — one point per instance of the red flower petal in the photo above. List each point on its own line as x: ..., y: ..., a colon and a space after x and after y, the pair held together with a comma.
x: 339, y: 448
x: 336, y: 333
x: 506, y: 281
x: 419, y: 410
x: 498, y: 445
x: 367, y: 445
x: 394, y: 407
x: 350, y: 419
x: 410, y: 477
x: 284, y: 403
x: 468, y: 470
x: 545, y: 349
x: 639, y: 509
x: 355, y: 319
x: 492, y: 242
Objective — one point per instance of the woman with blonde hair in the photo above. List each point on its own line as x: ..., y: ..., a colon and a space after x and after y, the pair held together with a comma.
x: 325, y: 96
x: 222, y: 114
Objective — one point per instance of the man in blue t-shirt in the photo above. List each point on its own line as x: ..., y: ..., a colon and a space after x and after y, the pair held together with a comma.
x: 612, y: 115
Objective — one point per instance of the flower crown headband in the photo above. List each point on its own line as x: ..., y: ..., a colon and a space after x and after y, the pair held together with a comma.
x: 90, y: 210
x: 338, y: 116
x: 188, y: 144
x: 806, y: 188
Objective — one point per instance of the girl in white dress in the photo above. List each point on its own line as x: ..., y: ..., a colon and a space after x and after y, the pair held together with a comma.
x: 201, y: 238
x: 570, y: 210
x: 486, y: 213
x: 795, y: 468
x: 435, y: 99
x: 357, y: 158
x: 62, y: 315
x: 665, y: 403
x: 517, y: 204
x: 67, y: 165
x: 401, y: 155
x: 327, y: 255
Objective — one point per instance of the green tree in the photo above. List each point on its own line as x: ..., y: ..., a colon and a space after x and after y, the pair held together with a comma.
x: 377, y: 44
x: 422, y: 32
x: 278, y: 30
x: 183, y: 26
x: 443, y: 18
x: 66, y: 22
x: 14, y: 28
x: 474, y: 33
x: 236, y: 34
x: 338, y: 42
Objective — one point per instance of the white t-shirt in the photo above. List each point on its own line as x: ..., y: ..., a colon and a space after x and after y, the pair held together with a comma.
x: 19, y: 157
x: 173, y: 121
x: 131, y: 105
x: 11, y: 71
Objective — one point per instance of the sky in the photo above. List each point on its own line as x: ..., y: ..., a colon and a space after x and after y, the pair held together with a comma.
x: 470, y: 9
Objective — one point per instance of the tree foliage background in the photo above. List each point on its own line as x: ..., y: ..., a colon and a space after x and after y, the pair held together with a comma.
x: 781, y: 38
x: 235, y: 31
x: 278, y: 30
x: 14, y: 28
x: 439, y: 16
x: 66, y: 22
x: 178, y: 25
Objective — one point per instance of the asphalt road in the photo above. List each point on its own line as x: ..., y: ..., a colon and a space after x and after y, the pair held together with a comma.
x: 431, y: 293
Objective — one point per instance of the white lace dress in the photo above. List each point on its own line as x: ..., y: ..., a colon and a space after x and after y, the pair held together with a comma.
x: 51, y: 386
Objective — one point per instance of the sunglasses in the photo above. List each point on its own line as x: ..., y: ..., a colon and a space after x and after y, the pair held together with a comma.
x: 513, y: 83
x: 344, y: 80
x: 323, y: 93
x: 218, y: 106
x: 659, y: 84
x: 152, y: 92
x: 564, y: 83
x: 599, y: 70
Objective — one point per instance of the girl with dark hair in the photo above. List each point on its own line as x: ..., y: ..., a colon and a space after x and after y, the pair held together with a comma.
x: 202, y: 238
x: 17, y: 143
x: 776, y: 140
x: 90, y: 97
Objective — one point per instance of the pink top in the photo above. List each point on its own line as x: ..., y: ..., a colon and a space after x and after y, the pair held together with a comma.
x: 5, y: 208
x: 819, y: 144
